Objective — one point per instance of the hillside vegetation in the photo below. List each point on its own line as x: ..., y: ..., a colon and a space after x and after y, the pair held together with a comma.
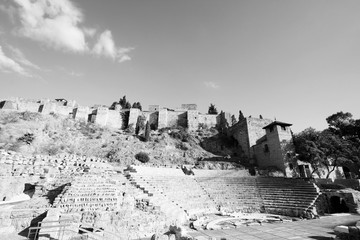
x: 34, y: 133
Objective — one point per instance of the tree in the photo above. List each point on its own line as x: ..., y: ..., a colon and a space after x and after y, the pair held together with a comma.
x: 342, y: 124
x: 241, y: 116
x: 147, y: 131
x: 212, y: 109
x: 233, y: 120
x: 137, y: 105
x: 323, y: 149
x: 223, y: 124
x: 124, y: 103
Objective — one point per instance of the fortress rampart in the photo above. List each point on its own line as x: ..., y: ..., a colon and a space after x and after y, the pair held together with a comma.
x: 158, y: 117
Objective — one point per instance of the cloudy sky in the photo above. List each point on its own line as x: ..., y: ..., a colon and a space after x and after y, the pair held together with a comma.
x: 296, y: 61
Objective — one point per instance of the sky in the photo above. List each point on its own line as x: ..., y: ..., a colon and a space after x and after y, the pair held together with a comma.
x: 293, y: 61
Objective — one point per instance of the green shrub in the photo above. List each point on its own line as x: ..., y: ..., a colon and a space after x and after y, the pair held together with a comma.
x: 28, y: 138
x: 181, y: 134
x: 142, y: 157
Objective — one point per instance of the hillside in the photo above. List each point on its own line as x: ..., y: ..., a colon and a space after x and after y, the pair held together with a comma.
x: 34, y: 133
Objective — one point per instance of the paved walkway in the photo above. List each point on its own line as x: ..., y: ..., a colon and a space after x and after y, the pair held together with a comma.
x: 317, y: 229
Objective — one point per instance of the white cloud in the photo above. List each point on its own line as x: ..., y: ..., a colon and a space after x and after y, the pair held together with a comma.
x: 20, y: 58
x: 76, y: 74
x: 9, y: 65
x: 54, y: 23
x: 211, y: 85
x: 105, y: 46
x: 58, y: 24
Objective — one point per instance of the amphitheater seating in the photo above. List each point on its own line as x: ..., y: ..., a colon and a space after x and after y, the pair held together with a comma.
x: 287, y: 196
x: 233, y: 194
x: 172, y: 185
x: 210, y: 191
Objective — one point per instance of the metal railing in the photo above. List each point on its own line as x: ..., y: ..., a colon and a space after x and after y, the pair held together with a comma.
x: 62, y: 227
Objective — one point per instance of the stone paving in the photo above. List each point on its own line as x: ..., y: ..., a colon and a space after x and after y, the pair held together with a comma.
x: 317, y: 229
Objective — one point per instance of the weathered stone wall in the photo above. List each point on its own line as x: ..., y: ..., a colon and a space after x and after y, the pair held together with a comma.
x: 255, y: 130
x: 28, y: 106
x: 114, y: 119
x: 81, y: 113
x: 133, y: 117
x: 101, y: 116
x: 175, y: 119
x: 153, y: 119
x: 163, y: 118
x: 153, y: 108
x: 240, y: 132
x: 193, y: 120
x: 64, y: 110
x: 189, y: 106
x: 49, y: 107
x: 9, y: 105
x: 209, y: 120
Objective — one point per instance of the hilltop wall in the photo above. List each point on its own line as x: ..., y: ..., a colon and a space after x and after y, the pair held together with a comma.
x: 186, y: 116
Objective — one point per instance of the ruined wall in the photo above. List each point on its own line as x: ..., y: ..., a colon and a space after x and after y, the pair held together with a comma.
x: 189, y: 106
x: 153, y: 108
x: 64, y: 110
x: 240, y: 132
x: 152, y: 118
x: 163, y: 118
x: 192, y: 120
x: 101, y: 116
x: 8, y: 105
x: 133, y: 117
x: 28, y: 106
x: 48, y: 108
x: 114, y: 119
x: 81, y: 113
x: 209, y: 120
x: 175, y: 119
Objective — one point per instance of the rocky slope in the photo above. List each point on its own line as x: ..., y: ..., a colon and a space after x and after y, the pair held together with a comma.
x: 33, y: 133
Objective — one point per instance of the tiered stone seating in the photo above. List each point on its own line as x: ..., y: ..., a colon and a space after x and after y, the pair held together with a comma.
x: 170, y: 186
x: 221, y: 173
x: 287, y: 196
x: 233, y: 194
x: 88, y: 193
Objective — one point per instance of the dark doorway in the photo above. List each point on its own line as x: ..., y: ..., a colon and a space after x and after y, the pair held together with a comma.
x: 338, y: 205
x: 347, y: 172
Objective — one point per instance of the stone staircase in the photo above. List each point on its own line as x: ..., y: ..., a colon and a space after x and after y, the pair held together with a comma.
x: 286, y: 196
x: 157, y: 196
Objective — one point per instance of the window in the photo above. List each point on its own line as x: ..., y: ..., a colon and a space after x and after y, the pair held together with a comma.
x: 266, y: 148
x: 291, y: 166
x: 283, y: 128
x: 271, y: 128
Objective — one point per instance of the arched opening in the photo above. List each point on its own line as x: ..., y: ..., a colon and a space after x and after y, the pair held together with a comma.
x: 338, y: 205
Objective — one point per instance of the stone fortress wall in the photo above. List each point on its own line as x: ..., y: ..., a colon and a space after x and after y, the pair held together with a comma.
x: 160, y: 117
